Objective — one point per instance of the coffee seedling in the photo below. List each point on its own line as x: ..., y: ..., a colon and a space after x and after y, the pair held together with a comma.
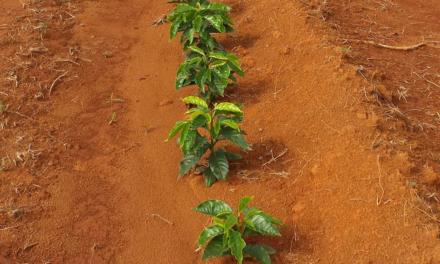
x: 211, y: 71
x: 227, y: 233
x: 197, y: 19
x: 201, y: 132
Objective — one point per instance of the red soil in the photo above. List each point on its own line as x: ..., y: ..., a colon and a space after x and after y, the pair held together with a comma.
x: 99, y: 193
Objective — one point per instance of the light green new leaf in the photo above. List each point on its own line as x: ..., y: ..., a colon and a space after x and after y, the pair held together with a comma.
x: 244, y: 202
x: 228, y: 107
x: 197, y: 50
x: 230, y: 221
x: 258, y: 252
x: 194, y: 100
x: 219, y: 56
x: 213, y: 207
x: 236, y: 244
x: 216, y: 64
x: 177, y: 128
x: 208, y: 233
x: 198, y: 22
x: 230, y: 123
x: 217, y: 22
x: 218, y: 7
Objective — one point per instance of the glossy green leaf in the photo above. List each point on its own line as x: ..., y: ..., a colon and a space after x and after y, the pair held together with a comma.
x: 187, y: 163
x: 194, y: 100
x: 218, y: 164
x: 230, y: 221
x: 216, y: 64
x: 230, y: 123
x: 217, y: 22
x: 177, y: 128
x: 197, y: 50
x: 219, y: 56
x: 236, y: 244
x: 213, y: 207
x: 214, y: 248
x: 235, y: 137
x: 198, y: 22
x: 258, y: 252
x: 208, y: 233
x: 264, y: 226
x: 209, y: 177
x: 227, y: 107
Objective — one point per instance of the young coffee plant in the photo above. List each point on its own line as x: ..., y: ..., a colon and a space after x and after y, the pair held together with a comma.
x: 201, y: 134
x: 227, y: 233
x: 197, y: 20
x: 210, y: 71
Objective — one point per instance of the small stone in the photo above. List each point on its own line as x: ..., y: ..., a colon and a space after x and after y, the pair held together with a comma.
x: 314, y: 170
x: 276, y: 34
x: 285, y: 50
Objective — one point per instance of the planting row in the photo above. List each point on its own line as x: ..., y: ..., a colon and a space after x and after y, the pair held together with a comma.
x: 210, y: 123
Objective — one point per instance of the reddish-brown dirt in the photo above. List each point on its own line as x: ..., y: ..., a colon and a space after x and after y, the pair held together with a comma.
x: 106, y: 191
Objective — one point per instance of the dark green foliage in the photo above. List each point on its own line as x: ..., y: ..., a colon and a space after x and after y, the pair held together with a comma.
x: 227, y: 232
x: 204, y: 128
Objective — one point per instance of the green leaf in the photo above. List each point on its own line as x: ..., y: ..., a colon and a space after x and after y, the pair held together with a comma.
x: 209, y: 177
x: 258, y: 252
x: 208, y: 233
x: 197, y: 50
x: 215, y: 248
x: 216, y: 64
x: 213, y: 207
x: 187, y: 163
x: 264, y: 226
x: 194, y: 100
x: 217, y: 22
x: 189, y: 141
x: 197, y: 23
x: 244, y: 202
x: 230, y: 221
x: 218, y: 164
x: 228, y: 107
x: 219, y: 7
x: 189, y: 35
x: 182, y: 75
x: 176, y: 129
x: 175, y: 28
x: 235, y: 137
x: 230, y: 123
x: 236, y: 244
x: 201, y: 78
x: 219, y: 56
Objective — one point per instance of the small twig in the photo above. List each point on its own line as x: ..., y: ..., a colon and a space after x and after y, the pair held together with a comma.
x: 428, y: 81
x: 67, y: 60
x: 379, y: 200
x: 273, y: 159
x: 404, y: 48
x: 162, y: 218
x: 55, y: 81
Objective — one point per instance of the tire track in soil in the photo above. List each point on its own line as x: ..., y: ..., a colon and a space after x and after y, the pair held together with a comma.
x: 341, y: 201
